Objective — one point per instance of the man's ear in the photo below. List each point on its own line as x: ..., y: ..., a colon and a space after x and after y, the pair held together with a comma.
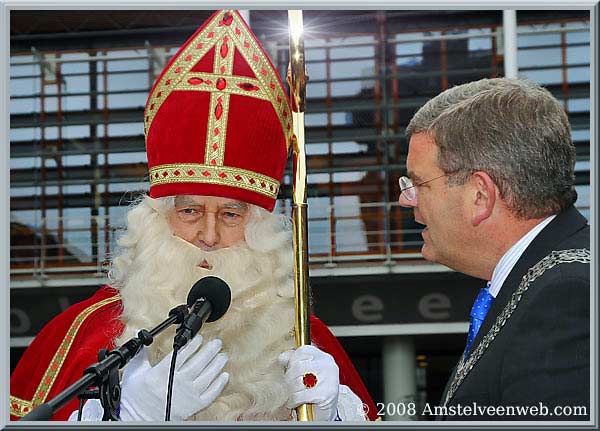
x: 484, y: 197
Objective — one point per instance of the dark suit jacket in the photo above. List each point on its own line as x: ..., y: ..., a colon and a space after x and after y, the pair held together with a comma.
x: 541, y: 354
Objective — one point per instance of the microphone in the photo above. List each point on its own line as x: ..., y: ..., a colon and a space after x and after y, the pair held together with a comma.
x: 209, y: 299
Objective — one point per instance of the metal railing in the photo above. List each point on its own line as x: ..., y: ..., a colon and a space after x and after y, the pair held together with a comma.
x: 50, y: 177
x: 356, y: 236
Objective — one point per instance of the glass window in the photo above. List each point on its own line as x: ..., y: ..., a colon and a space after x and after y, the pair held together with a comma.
x: 579, y: 105
x: 539, y: 57
x: 29, y: 86
x: 578, y: 74
x: 137, y: 100
x: 583, y: 200
x: 24, y: 106
x: 359, y: 50
x: 578, y: 36
x: 527, y: 36
x: 314, y: 54
x: 138, y: 157
x: 126, y: 129
x: 578, y: 54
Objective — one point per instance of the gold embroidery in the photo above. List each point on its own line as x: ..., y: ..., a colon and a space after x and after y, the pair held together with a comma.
x: 206, y: 82
x: 19, y: 407
x: 63, y: 349
x: 179, y: 77
x: 222, y: 175
x: 177, y: 71
x: 216, y: 132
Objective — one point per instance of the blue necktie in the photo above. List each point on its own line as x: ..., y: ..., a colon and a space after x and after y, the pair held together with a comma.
x: 480, y: 308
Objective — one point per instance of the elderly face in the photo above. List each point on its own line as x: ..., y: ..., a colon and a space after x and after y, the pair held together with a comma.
x: 438, y: 206
x: 209, y: 222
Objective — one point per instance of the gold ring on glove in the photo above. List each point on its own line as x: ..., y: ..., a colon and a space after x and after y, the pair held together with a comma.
x: 309, y: 380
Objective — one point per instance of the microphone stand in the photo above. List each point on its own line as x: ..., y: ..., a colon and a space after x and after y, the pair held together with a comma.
x: 104, y: 374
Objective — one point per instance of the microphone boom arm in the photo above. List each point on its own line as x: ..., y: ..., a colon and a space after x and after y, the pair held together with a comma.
x: 98, y: 374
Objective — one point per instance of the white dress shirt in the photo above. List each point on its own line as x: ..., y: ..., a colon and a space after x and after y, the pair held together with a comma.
x: 510, y: 258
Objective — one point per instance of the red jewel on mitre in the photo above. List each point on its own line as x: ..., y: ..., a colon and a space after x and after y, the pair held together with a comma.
x: 218, y: 120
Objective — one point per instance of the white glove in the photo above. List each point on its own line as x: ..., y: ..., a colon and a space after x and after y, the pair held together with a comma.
x: 92, y: 411
x: 324, y: 395
x: 197, y: 382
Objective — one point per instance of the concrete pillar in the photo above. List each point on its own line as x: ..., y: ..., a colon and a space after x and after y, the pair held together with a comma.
x: 509, y: 26
x: 399, y: 379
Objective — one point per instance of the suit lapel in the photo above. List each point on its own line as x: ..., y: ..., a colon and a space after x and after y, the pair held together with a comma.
x: 563, y: 226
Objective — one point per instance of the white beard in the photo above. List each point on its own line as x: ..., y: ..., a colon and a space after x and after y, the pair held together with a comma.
x: 155, y: 274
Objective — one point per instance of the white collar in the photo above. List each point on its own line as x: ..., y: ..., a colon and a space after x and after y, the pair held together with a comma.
x: 510, y: 258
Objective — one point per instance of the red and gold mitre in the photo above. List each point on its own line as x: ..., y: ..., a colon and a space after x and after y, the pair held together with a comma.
x: 218, y: 120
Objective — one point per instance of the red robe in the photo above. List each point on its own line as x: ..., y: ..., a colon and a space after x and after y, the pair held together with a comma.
x: 69, y: 343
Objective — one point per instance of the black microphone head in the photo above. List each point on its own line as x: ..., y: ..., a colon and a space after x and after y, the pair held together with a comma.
x: 214, y: 290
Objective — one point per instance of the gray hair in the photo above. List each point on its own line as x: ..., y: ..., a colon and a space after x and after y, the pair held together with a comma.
x: 512, y: 129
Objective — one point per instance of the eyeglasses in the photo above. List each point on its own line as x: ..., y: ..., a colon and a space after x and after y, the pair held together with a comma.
x: 408, y: 188
x: 228, y: 217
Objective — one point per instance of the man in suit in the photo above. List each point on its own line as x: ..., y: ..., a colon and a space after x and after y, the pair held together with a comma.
x: 490, y: 173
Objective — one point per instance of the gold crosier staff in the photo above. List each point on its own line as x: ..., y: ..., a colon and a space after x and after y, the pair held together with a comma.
x: 297, y: 82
